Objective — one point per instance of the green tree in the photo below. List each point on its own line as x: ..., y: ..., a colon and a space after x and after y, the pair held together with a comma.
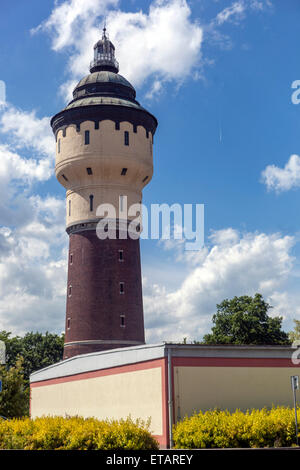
x: 36, y: 349
x: 295, y: 334
x: 245, y: 320
x: 14, y: 398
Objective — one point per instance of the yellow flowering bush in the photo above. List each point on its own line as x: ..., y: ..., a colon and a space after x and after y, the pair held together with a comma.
x: 58, y: 433
x: 254, y: 428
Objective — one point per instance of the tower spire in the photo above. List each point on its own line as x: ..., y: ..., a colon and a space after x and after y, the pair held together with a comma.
x: 104, y: 55
x: 104, y: 30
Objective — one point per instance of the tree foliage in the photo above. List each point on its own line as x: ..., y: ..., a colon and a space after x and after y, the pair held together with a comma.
x: 14, y: 398
x: 25, y: 355
x: 36, y: 349
x: 245, y: 320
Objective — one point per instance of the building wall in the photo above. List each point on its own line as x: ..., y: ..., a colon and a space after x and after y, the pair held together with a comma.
x: 202, y: 378
x: 135, y: 390
x: 231, y: 386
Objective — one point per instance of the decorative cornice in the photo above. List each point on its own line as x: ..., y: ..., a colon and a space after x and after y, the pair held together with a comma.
x: 103, y: 341
x: 117, y: 228
x: 98, y: 113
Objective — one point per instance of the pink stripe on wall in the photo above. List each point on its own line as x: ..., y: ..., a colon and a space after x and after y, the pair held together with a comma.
x: 101, y: 373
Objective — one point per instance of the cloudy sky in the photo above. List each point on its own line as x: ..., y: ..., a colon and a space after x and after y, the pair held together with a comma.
x: 221, y: 77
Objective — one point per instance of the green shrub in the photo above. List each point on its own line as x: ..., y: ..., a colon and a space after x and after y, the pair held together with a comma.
x: 254, y: 428
x: 57, y: 433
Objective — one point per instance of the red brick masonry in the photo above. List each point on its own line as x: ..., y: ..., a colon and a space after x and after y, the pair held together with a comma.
x: 94, y: 302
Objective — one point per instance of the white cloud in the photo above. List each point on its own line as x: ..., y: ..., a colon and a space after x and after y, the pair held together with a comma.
x: 70, y: 17
x: 24, y: 133
x: 14, y: 167
x: 27, y: 149
x: 235, y: 265
x: 236, y: 11
x: 260, y: 4
x: 25, y: 129
x: 234, y: 14
x: 32, y: 236
x: 33, y: 269
x: 163, y: 44
x: 225, y: 236
x: 283, y: 179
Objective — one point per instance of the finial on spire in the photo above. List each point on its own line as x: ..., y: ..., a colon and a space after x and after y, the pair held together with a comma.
x: 104, y: 30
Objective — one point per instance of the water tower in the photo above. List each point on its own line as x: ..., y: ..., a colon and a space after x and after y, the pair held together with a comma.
x: 104, y: 141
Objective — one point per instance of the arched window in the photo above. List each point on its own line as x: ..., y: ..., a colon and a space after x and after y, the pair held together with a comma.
x: 91, y: 202
x: 126, y: 138
x: 87, y: 137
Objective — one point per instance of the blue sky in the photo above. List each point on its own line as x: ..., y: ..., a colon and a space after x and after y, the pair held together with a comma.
x: 217, y: 75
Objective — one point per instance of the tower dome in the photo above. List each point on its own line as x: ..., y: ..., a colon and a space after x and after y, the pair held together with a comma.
x: 104, y: 94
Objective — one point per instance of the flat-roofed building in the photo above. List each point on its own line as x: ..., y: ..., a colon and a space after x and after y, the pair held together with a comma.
x: 164, y: 382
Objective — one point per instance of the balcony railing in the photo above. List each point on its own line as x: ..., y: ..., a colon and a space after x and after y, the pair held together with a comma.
x: 104, y: 59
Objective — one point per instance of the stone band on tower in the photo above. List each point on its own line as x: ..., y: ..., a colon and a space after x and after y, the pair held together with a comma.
x: 104, y: 142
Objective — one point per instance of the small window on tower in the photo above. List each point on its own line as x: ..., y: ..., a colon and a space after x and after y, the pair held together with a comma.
x: 122, y: 320
x: 122, y: 288
x: 69, y: 323
x: 124, y: 171
x: 58, y: 146
x: 89, y: 171
x: 65, y: 178
x: 126, y: 138
x: 71, y: 258
x: 134, y: 129
x: 91, y: 203
x: 121, y: 203
x: 70, y: 291
x: 121, y: 255
x: 87, y: 137
x: 145, y: 179
x: 117, y: 126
